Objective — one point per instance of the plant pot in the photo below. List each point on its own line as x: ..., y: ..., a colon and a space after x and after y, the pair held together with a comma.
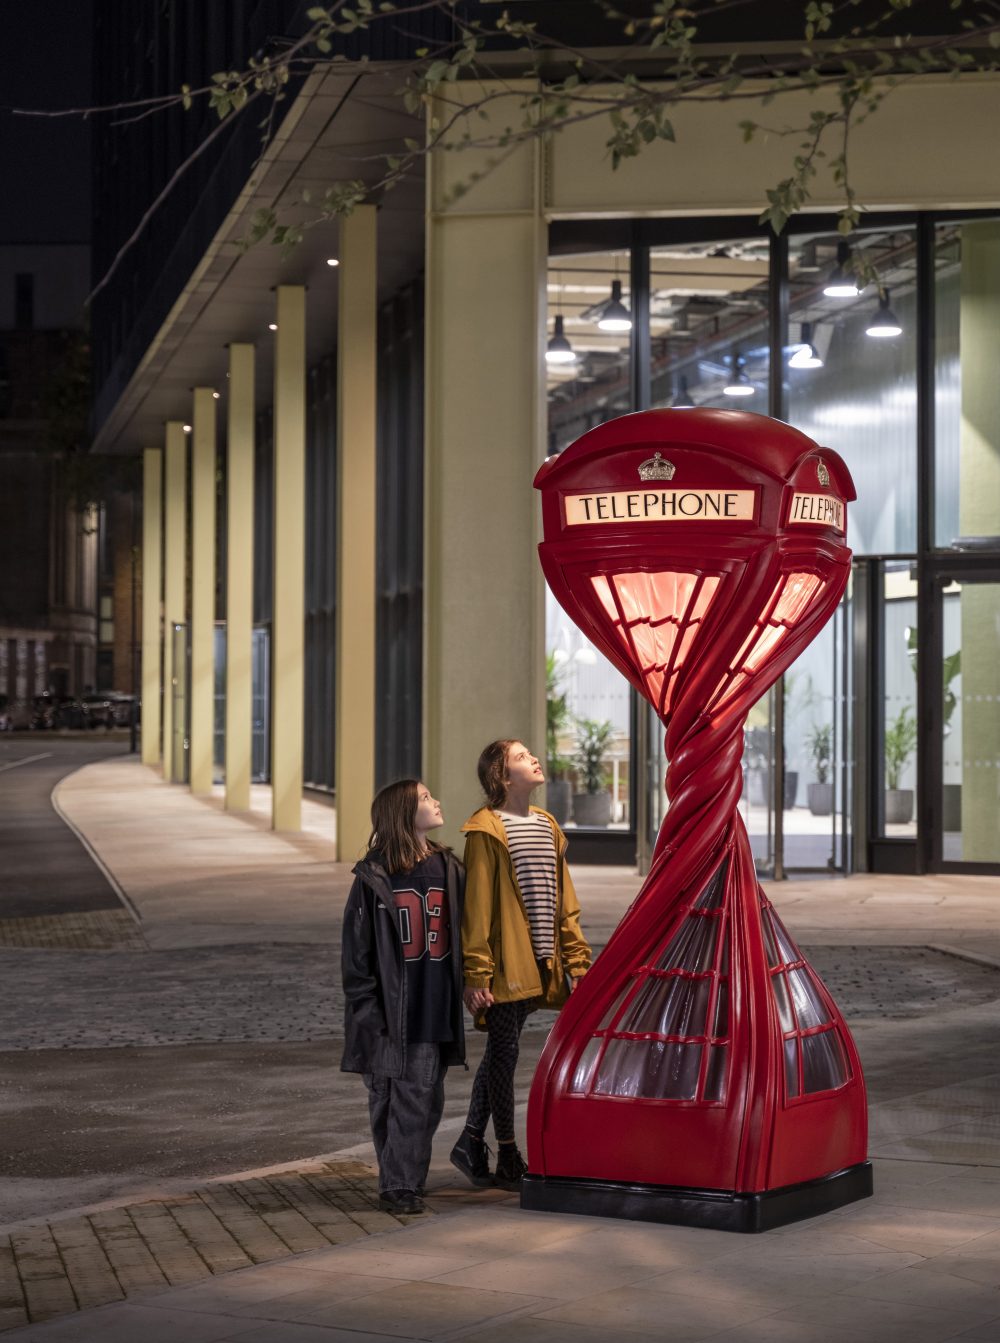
x: 820, y: 797
x: 898, y: 806
x: 757, y: 789
x: 951, y: 808
x: 791, y: 788
x: 558, y: 798
x: 593, y: 809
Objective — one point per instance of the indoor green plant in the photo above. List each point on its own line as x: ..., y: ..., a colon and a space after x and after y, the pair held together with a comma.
x: 820, y: 792
x: 592, y: 805
x: 898, y: 743
x: 558, y: 720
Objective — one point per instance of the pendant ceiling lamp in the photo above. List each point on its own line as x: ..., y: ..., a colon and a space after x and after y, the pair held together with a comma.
x: 806, y: 356
x: 842, y: 283
x: 559, y: 350
x: 615, y: 316
x: 885, y: 323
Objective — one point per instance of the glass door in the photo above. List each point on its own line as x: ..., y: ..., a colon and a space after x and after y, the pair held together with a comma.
x: 180, y: 754
x: 968, y: 728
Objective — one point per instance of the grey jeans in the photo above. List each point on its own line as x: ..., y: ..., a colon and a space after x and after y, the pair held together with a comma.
x: 405, y: 1112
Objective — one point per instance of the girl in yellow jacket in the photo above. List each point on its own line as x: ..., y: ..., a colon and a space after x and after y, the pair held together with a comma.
x: 521, y: 944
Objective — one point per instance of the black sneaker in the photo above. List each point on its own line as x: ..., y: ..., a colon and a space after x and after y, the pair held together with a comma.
x: 400, y: 1201
x: 511, y: 1166
x: 470, y: 1155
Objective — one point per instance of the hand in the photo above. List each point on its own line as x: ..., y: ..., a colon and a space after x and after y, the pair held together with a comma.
x: 476, y: 999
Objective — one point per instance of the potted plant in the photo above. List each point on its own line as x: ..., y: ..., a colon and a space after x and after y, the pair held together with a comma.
x: 898, y: 744
x: 592, y: 806
x: 820, y: 793
x: 558, y: 790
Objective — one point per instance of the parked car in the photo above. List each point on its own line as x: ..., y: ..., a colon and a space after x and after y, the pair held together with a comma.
x: 98, y: 710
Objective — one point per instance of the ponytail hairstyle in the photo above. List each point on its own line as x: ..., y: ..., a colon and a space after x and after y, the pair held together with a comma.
x: 492, y: 770
x: 394, y: 810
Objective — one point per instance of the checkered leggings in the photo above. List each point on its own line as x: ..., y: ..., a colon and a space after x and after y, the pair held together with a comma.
x: 493, y: 1086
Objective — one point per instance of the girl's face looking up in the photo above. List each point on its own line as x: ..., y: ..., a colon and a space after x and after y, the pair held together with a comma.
x: 428, y: 814
x: 523, y: 769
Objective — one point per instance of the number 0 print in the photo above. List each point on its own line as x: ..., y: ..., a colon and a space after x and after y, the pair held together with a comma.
x: 422, y: 925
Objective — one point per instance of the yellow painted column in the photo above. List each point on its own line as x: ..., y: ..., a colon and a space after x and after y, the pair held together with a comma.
x: 203, y: 506
x: 174, y: 584
x: 288, y: 636
x: 152, y: 601
x: 239, y: 578
x: 484, y: 614
x: 354, y: 753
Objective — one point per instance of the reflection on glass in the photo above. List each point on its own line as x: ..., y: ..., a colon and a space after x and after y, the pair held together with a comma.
x: 715, y: 1080
x: 792, y: 1067
x: 860, y: 398
x: 809, y: 1009
x: 971, y: 718
x: 824, y: 1065
x: 585, y: 1067
x: 899, y: 732
x: 784, y: 1005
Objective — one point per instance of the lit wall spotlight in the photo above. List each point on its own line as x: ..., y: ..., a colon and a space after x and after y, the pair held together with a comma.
x: 885, y: 323
x: 272, y: 326
x: 740, y: 384
x: 841, y: 283
x: 615, y: 316
x: 216, y: 395
x: 187, y: 428
x: 559, y: 350
x: 806, y: 356
x: 333, y: 261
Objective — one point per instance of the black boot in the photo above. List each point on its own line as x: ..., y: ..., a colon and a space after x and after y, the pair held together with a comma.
x: 470, y: 1155
x: 511, y: 1167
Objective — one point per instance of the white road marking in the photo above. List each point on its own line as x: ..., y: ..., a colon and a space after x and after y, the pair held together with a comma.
x: 26, y: 761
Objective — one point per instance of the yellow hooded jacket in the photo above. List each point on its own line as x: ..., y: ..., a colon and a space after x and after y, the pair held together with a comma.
x: 496, y: 937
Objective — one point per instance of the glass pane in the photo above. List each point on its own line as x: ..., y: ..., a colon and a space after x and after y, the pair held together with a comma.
x: 971, y: 681
x: 787, y: 948
x: 967, y: 393
x: 720, y: 1027
x: 792, y: 1067
x: 694, y: 946
x: 585, y: 1067
x: 756, y: 803
x: 671, y: 1006
x: 823, y: 1063
x: 855, y: 391
x: 809, y: 1009
x: 899, y: 736
x: 770, y: 945
x: 622, y: 1067
x: 715, y: 1079
x: 609, y: 1015
x: 784, y: 1004
x: 589, y: 382
x: 708, y: 324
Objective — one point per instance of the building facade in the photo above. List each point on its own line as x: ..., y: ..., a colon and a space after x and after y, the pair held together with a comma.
x: 339, y: 448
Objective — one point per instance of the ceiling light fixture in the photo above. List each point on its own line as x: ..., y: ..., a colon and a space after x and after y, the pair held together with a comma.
x: 615, y: 316
x: 559, y: 350
x: 740, y: 384
x: 842, y: 283
x: 885, y: 323
x: 806, y: 355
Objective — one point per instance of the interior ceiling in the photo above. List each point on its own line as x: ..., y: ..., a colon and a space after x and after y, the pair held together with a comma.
x: 337, y: 127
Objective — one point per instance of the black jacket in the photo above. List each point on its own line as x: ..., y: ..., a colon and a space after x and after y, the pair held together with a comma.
x: 374, y: 974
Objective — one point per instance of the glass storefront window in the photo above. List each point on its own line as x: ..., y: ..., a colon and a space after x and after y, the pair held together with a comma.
x: 899, y: 700
x: 587, y: 360
x: 708, y: 324
x: 852, y: 391
x: 967, y: 391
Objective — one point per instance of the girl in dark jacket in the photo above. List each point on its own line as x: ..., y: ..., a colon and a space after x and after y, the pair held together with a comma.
x: 402, y: 975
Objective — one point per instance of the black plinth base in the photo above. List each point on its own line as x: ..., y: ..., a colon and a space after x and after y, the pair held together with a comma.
x: 715, y: 1208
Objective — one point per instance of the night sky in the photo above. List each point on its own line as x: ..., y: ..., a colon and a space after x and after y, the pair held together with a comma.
x: 44, y: 165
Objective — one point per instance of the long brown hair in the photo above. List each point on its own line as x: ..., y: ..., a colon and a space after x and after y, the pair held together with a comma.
x: 492, y: 770
x: 394, y: 810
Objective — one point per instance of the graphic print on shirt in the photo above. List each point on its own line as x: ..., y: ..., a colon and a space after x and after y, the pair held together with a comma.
x: 423, y: 924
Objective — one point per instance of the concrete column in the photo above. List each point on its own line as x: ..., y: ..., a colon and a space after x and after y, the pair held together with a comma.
x: 979, y: 490
x: 239, y: 578
x: 288, y: 646
x: 484, y: 615
x: 174, y: 585
x: 354, y: 752
x: 203, y: 506
x: 152, y: 599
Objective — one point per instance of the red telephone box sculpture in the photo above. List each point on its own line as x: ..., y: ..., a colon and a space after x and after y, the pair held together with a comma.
x: 701, y: 1074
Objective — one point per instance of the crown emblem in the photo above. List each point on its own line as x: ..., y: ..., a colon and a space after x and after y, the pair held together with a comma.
x: 657, y: 468
x: 822, y: 473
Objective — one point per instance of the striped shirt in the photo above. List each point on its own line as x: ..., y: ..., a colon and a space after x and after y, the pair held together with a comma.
x: 533, y: 852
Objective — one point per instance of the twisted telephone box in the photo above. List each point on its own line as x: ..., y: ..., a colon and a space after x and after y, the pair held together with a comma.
x: 701, y: 1073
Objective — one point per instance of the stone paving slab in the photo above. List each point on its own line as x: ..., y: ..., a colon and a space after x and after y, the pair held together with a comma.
x: 86, y: 1260
x: 98, y: 930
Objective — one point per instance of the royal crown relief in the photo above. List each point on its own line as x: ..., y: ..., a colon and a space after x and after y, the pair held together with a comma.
x: 694, y: 504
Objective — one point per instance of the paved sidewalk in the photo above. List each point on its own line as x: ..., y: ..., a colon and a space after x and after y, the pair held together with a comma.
x: 918, y: 959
